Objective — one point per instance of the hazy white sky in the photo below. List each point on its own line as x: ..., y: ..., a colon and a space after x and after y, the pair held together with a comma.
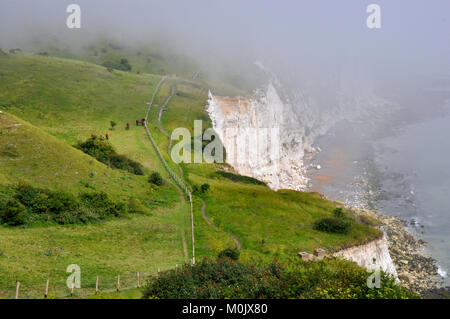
x: 295, y: 35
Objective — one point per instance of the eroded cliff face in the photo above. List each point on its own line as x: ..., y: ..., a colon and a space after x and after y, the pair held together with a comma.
x: 373, y: 256
x: 299, y: 118
x: 253, y: 131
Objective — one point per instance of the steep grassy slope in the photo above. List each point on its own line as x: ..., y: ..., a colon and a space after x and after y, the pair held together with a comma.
x: 124, y: 246
x: 30, y: 155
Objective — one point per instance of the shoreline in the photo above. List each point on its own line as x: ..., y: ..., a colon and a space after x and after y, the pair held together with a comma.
x: 416, y: 270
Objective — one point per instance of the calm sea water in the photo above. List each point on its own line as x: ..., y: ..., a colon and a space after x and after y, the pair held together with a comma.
x: 420, y: 156
x: 404, y: 174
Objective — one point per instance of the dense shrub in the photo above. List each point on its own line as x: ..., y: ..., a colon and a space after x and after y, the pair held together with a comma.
x: 155, y: 178
x: 229, y: 253
x: 123, y: 65
x: 338, y: 212
x: 126, y: 164
x: 97, y: 147
x: 333, y: 225
x: 13, y: 213
x: 240, y: 178
x: 226, y: 278
x: 103, y: 151
x: 204, y: 188
x: 103, y: 205
x: 41, y: 201
x: 30, y: 204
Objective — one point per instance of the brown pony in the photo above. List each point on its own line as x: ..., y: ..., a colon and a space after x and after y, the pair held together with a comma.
x: 142, y: 122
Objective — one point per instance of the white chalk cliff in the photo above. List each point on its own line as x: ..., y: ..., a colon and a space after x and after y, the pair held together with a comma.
x: 373, y: 255
x: 276, y: 157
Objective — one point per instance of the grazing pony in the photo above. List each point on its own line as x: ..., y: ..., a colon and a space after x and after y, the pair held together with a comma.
x: 142, y: 122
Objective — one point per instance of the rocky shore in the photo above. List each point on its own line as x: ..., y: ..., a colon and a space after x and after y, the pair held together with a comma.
x: 416, y: 271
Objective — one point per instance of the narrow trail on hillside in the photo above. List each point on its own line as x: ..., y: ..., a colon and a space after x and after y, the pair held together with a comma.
x: 183, y: 237
x: 181, y: 185
x: 164, y: 106
x: 208, y: 221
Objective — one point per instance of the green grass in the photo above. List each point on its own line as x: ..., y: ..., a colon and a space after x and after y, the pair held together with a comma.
x: 132, y: 293
x: 122, y: 246
x: 57, y: 102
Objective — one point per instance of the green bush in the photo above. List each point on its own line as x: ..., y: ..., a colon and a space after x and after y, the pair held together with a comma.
x: 103, y: 151
x: 13, y: 213
x: 155, y: 178
x: 97, y: 147
x: 124, y: 163
x: 204, y: 188
x: 42, y: 201
x: 240, y: 178
x: 63, y: 208
x: 103, y: 205
x: 229, y: 253
x: 226, y: 278
x: 123, y: 65
x: 332, y: 225
x: 338, y: 212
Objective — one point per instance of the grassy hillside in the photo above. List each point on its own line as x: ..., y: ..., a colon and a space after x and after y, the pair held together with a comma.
x: 30, y: 155
x: 50, y: 103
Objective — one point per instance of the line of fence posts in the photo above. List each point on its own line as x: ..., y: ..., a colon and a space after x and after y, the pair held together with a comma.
x: 46, y: 288
x: 72, y: 286
x: 181, y: 184
x: 169, y: 170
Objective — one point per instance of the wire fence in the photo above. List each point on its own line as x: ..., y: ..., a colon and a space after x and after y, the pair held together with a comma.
x: 168, y: 169
x: 90, y: 284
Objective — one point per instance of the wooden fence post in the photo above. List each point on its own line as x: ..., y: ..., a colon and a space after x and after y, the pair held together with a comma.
x: 118, y: 282
x: 46, y: 288
x: 73, y: 286
x: 138, y: 280
x: 17, y: 289
x: 159, y: 271
x: 96, y: 285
